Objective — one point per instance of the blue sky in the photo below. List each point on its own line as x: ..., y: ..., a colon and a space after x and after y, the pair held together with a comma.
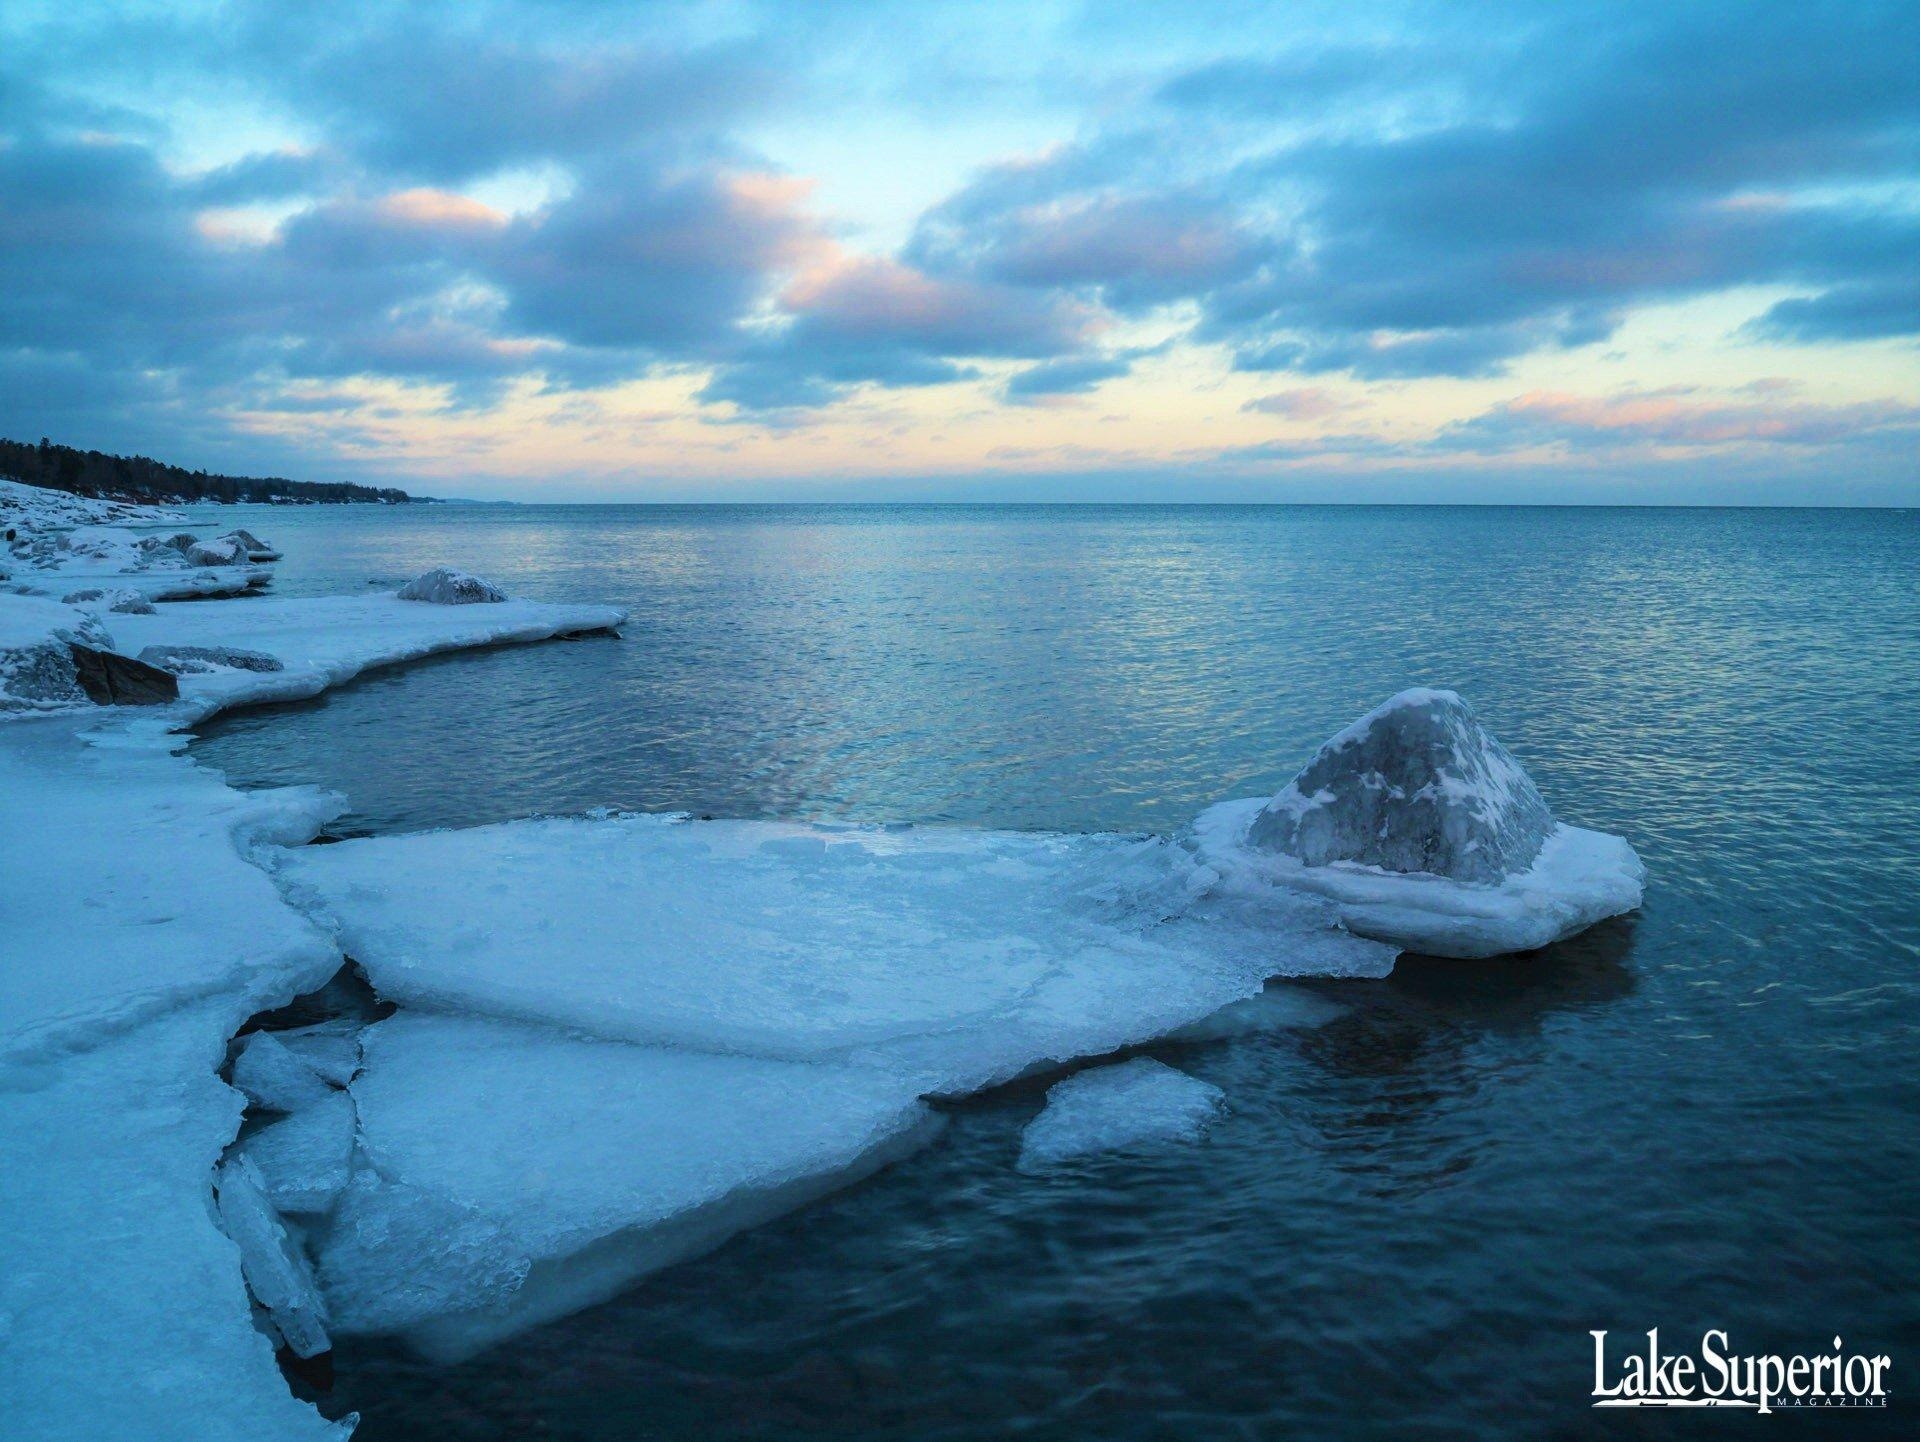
x: 1452, y: 252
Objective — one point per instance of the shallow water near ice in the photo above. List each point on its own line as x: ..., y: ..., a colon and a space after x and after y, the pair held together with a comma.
x: 1411, y: 1215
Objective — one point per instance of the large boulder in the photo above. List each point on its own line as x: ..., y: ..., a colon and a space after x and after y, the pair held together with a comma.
x: 1426, y: 835
x: 110, y: 679
x: 1415, y: 785
x: 445, y: 586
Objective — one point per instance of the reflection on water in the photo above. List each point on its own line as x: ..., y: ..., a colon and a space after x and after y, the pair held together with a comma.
x: 1698, y: 1117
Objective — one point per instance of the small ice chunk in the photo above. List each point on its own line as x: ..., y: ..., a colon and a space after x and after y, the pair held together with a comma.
x: 305, y: 1160
x: 1416, y: 784
x: 331, y: 1048
x: 1134, y: 1103
x: 445, y: 586
x: 274, y: 1077
x: 274, y: 1267
x: 397, y: 1255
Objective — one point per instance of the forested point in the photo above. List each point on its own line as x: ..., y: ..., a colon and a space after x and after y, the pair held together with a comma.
x: 140, y: 478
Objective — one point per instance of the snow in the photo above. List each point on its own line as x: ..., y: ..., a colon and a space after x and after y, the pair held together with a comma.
x: 592, y: 1161
x: 42, y: 508
x: 57, y: 542
x: 444, y: 586
x: 276, y: 1269
x: 305, y: 1160
x: 1131, y: 1104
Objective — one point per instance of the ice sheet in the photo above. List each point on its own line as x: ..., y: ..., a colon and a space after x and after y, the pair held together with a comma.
x: 955, y: 958
x: 1131, y: 1104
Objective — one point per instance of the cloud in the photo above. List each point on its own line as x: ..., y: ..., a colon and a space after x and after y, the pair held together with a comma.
x: 1071, y: 377
x: 1675, y: 418
x: 1304, y: 403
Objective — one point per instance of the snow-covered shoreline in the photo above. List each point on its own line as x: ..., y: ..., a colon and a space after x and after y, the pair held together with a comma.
x: 137, y: 935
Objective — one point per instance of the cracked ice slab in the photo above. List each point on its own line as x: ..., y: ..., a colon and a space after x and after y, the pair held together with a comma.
x: 956, y: 959
x: 555, y: 1169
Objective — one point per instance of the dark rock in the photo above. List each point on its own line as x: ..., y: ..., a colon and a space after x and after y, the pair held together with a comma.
x: 193, y: 660
x: 1416, y: 785
x: 110, y: 679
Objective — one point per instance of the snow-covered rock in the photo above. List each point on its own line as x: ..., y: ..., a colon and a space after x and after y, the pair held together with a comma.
x: 37, y: 668
x: 1428, y: 836
x: 121, y: 599
x: 276, y: 1269
x: 444, y: 586
x: 304, y: 1160
x: 1130, y: 1104
x: 250, y: 545
x: 222, y: 551
x: 275, y: 1077
x: 1414, y: 785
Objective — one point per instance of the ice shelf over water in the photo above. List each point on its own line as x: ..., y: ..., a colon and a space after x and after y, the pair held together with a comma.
x: 622, y: 1039
x: 1138, y: 1103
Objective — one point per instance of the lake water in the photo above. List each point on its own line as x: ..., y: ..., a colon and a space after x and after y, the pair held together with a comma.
x: 1703, y: 1116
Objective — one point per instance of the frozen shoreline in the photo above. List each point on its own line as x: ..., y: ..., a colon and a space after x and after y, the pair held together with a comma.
x: 676, y: 1029
x: 139, y: 936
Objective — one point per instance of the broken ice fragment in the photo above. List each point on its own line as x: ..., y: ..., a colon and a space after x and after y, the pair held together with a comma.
x: 274, y: 1267
x: 331, y: 1048
x: 1135, y: 1103
x: 305, y: 1160
x: 274, y: 1077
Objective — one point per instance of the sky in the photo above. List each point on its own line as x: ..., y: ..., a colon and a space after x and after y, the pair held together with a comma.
x: 1624, y: 252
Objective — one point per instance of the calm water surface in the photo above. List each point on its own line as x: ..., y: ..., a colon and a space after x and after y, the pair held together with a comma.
x: 1701, y: 1116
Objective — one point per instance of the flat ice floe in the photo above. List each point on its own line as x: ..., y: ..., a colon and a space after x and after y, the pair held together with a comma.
x: 627, y: 1036
x: 1131, y: 1104
x: 957, y: 959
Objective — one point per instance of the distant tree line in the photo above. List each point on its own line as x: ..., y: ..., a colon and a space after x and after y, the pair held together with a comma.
x: 138, y: 478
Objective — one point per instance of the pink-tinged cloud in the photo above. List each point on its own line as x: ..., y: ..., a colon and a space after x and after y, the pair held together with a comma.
x: 429, y: 209
x: 1673, y: 418
x: 1304, y: 403
x: 874, y: 298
